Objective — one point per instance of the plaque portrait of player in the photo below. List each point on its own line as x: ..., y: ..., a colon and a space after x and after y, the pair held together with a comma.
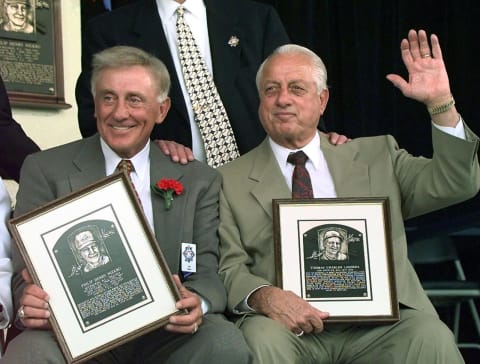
x: 335, y: 261
x: 18, y: 16
x: 88, y: 248
x: 333, y: 245
x: 100, y: 275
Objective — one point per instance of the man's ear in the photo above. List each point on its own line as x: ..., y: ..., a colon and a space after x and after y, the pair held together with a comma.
x: 163, y: 108
x: 324, y: 95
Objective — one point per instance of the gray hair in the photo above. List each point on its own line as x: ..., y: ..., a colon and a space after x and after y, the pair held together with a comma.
x: 125, y: 56
x: 319, y: 69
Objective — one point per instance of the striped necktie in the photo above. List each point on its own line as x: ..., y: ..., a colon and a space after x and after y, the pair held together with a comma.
x: 301, y: 183
x: 126, y: 165
x: 208, y: 109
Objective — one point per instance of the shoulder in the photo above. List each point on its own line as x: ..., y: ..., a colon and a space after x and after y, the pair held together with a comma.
x: 363, y: 146
x: 198, y: 178
x: 243, y: 5
x: 197, y: 168
x: 61, y: 152
x: 245, y: 12
x: 243, y: 163
x: 121, y: 16
x: 60, y: 159
x: 192, y: 172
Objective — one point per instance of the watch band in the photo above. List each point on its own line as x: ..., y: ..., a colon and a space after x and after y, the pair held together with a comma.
x: 441, y: 108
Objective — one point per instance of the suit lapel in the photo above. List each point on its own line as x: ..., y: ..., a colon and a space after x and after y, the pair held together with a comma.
x: 90, y: 164
x: 270, y: 182
x: 350, y: 176
x: 163, y: 220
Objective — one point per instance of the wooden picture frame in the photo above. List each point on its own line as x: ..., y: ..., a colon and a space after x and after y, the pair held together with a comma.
x: 337, y: 255
x: 95, y: 255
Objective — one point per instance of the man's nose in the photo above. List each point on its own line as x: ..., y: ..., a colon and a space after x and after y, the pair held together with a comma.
x: 121, y: 110
x: 283, y: 96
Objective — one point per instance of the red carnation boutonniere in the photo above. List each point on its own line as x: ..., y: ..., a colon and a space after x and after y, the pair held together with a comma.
x: 168, y: 188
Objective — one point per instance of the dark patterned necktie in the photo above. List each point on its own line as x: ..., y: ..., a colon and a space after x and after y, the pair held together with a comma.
x: 208, y: 109
x: 126, y: 165
x: 301, y: 183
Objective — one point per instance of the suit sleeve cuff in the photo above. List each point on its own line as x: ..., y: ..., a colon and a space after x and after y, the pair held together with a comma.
x: 243, y: 306
x: 458, y: 131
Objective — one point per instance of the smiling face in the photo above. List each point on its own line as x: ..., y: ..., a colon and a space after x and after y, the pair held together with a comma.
x: 290, y: 104
x: 87, y: 247
x: 16, y: 13
x: 332, y: 247
x: 127, y: 108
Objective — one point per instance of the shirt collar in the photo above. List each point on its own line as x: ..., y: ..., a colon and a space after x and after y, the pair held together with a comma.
x: 139, y: 160
x: 312, y: 150
x: 167, y: 8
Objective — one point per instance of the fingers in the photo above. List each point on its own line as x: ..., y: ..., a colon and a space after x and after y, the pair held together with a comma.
x: 424, y: 64
x: 313, y: 323
x: 419, y: 48
x: 185, y: 323
x: 190, y: 321
x: 337, y: 139
x: 177, y: 152
x: 33, y: 317
x: 26, y: 276
x: 34, y: 310
x: 184, y: 292
x: 436, y: 50
x: 318, y: 321
x: 424, y: 47
x: 417, y: 45
x: 397, y: 81
x: 411, y: 45
x: 292, y: 311
x: 189, y: 301
x: 33, y: 295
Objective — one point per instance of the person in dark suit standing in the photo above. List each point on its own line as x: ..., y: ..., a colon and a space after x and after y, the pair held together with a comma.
x: 234, y: 37
x: 131, y: 96
x: 15, y: 145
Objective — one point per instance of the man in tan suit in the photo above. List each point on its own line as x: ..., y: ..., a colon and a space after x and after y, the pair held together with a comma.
x: 281, y: 327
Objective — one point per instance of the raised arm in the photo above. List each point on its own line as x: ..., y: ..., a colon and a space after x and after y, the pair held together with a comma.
x: 427, y: 77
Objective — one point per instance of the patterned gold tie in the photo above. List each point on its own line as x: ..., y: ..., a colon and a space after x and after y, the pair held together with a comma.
x: 126, y: 165
x: 208, y: 109
x: 301, y: 182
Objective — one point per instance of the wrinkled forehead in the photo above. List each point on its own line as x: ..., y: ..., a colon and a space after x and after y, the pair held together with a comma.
x: 284, y: 60
x: 288, y: 68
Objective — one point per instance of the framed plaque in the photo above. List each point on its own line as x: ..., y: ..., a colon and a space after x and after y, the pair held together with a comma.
x: 31, y: 62
x: 94, y: 254
x: 337, y: 255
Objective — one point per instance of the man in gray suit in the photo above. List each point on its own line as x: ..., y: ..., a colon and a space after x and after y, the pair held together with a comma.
x: 281, y: 327
x: 131, y: 88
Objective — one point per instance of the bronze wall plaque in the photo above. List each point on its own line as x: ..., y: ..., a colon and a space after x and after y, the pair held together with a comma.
x: 31, y: 62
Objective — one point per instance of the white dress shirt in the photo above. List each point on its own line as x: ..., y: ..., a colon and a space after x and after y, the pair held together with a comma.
x: 140, y: 175
x: 196, y: 18
x: 6, y: 268
x: 322, y: 182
